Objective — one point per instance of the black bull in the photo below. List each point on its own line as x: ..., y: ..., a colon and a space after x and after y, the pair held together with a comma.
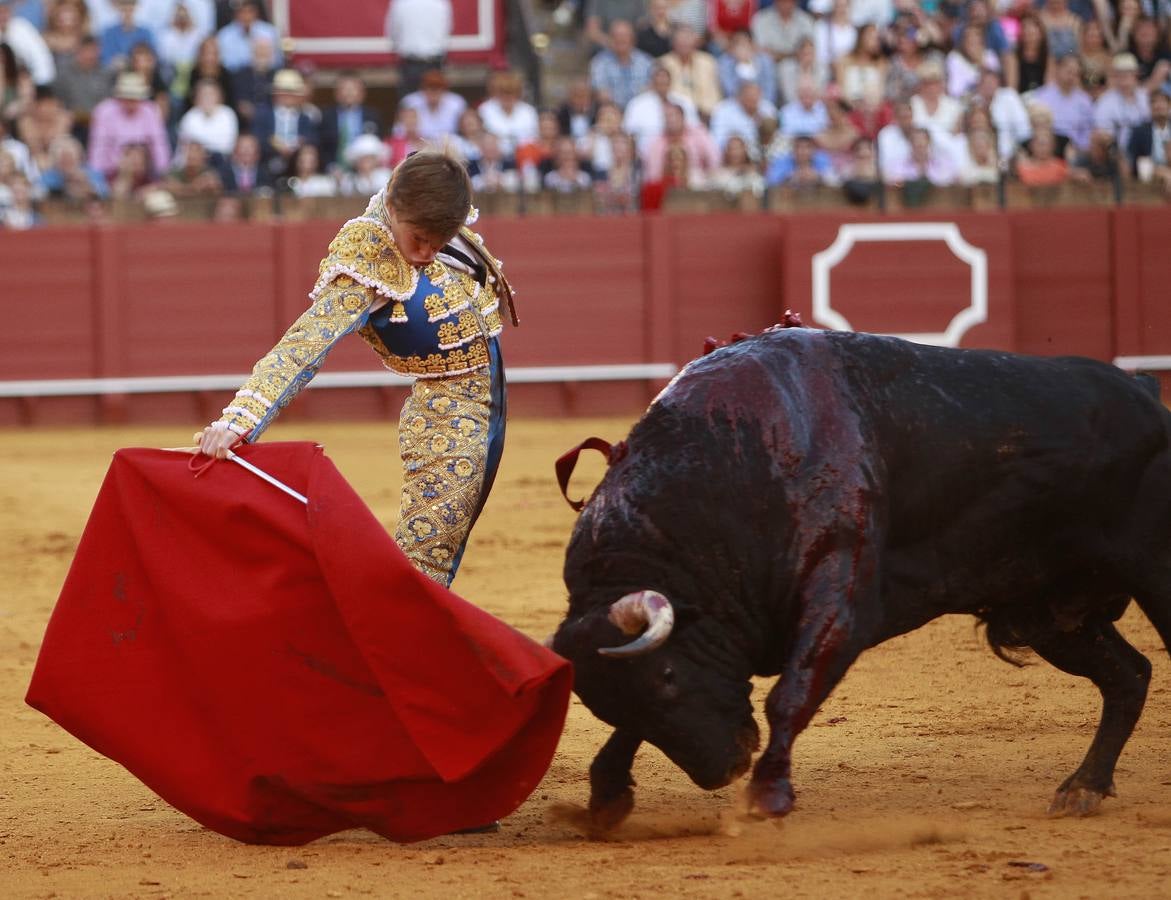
x: 794, y: 499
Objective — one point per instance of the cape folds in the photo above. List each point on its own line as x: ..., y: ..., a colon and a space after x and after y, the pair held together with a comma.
x: 281, y: 672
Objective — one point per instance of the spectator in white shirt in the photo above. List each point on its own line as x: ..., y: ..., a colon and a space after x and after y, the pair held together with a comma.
x: 155, y: 15
x: 741, y: 116
x: 932, y: 107
x: 966, y: 61
x: 27, y: 45
x: 439, y: 109
x: 237, y: 38
x: 862, y: 12
x: 644, y: 115
x: 419, y: 32
x: 178, y: 42
x: 806, y: 114
x: 835, y: 35
x: 506, y: 115
x: 209, y: 122
x: 21, y: 158
x: 1124, y: 106
x: 894, y: 142
x: 979, y: 164
x: 368, y: 158
x: 1007, y: 111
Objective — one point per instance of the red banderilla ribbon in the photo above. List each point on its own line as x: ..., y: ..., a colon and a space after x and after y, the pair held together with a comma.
x: 567, y: 461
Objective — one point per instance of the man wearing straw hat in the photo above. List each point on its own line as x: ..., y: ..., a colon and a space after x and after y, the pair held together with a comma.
x: 129, y: 117
x: 1123, y: 106
x: 285, y: 125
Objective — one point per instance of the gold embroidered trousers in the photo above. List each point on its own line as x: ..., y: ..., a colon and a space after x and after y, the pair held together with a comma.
x: 444, y: 435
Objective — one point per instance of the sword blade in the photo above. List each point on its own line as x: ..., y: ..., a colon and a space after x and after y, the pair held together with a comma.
x: 260, y: 473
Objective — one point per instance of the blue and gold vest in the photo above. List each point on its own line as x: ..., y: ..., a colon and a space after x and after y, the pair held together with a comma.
x: 434, y: 322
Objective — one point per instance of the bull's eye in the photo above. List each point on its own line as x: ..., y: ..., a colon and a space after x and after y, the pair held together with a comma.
x: 668, y: 676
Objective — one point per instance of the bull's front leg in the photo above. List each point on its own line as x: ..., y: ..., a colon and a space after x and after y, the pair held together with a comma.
x: 828, y: 640
x: 611, y: 797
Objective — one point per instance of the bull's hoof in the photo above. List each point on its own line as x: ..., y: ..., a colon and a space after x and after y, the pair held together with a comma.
x: 1078, y: 801
x: 608, y: 813
x: 770, y: 799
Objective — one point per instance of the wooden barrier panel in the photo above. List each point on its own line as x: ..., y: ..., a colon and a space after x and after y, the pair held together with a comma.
x: 186, y: 298
x: 719, y: 274
x: 1063, y: 279
x: 189, y: 297
x: 1142, y: 281
x: 579, y: 289
x: 47, y: 282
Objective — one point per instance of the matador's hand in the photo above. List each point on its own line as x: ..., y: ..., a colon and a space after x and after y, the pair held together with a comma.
x: 216, y: 440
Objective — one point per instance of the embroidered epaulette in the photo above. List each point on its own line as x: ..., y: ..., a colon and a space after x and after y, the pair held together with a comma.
x: 365, y: 251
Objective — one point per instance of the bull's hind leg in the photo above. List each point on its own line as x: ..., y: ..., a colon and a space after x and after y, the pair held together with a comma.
x: 1098, y: 652
x: 829, y: 638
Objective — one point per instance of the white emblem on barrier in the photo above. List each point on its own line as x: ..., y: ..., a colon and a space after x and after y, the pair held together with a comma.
x: 948, y: 232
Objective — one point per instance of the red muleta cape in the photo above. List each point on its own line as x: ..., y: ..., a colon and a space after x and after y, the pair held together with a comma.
x: 281, y: 672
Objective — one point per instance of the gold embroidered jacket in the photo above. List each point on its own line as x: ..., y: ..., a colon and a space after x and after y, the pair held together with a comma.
x: 426, y: 323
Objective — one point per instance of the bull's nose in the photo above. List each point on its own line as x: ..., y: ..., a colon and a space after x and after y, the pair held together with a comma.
x: 711, y: 781
x: 715, y: 782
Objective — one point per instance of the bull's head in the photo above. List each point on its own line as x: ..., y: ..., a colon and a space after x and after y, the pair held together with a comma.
x: 637, y: 669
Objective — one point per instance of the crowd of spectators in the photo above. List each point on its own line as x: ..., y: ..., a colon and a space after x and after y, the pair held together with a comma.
x: 740, y: 96
x: 156, y: 101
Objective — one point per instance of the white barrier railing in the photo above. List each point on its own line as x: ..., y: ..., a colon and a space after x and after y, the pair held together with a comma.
x: 1155, y: 363
x: 84, y: 387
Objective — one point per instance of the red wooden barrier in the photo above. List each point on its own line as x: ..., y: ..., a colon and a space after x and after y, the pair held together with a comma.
x: 1063, y: 282
x: 1142, y: 281
x: 190, y: 299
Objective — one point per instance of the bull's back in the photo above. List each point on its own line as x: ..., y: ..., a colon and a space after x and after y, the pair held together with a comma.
x: 958, y: 425
x: 944, y: 438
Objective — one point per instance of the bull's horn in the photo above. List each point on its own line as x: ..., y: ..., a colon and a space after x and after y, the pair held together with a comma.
x: 646, y: 611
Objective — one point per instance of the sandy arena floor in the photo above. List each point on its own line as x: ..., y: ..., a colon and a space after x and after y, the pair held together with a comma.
x: 926, y: 775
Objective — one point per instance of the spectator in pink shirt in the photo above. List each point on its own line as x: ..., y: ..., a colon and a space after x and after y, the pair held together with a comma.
x: 127, y: 118
x: 695, y: 139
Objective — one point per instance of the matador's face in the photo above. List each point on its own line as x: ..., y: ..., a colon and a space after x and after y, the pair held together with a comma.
x: 418, y: 247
